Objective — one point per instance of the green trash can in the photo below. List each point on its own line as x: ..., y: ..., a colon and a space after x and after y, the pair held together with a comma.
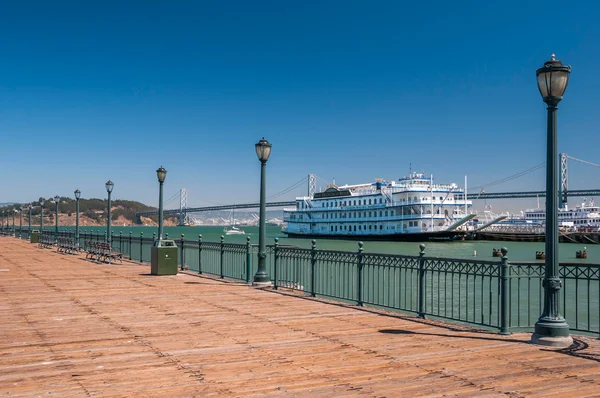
x: 35, y: 236
x: 164, y: 256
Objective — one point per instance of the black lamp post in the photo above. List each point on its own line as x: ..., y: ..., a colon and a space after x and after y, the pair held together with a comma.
x: 263, y: 151
x: 30, y: 207
x: 551, y: 328
x: 41, y: 216
x: 109, y: 188
x: 13, y: 226
x: 77, y: 196
x: 161, y: 174
x: 57, y: 201
x: 21, y: 222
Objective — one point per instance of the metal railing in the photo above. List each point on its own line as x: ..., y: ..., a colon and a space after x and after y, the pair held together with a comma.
x: 495, y: 294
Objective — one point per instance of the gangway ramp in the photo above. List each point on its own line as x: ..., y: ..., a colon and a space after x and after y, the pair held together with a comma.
x: 461, y: 222
x: 487, y: 224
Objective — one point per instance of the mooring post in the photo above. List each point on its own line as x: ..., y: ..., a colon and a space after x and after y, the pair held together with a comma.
x: 313, y: 263
x: 504, y: 293
x: 359, y: 258
x: 222, y: 255
x: 200, y: 253
x: 248, y: 260
x: 141, y: 246
x: 422, y: 281
x: 275, y: 258
x: 130, y: 237
x: 182, y: 253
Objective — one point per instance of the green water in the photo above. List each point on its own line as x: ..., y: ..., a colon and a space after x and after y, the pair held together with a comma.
x: 517, y: 251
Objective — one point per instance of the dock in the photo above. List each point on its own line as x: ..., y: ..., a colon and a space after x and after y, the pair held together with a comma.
x: 71, y: 327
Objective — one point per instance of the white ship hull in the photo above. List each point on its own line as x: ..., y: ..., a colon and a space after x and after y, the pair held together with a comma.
x: 411, y: 209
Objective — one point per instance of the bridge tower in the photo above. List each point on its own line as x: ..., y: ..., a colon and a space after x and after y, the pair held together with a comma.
x: 312, y: 185
x: 183, y: 206
x: 564, y: 179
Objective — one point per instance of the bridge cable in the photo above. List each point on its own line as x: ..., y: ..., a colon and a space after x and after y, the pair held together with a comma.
x: 511, y: 177
x: 290, y: 188
x: 583, y: 161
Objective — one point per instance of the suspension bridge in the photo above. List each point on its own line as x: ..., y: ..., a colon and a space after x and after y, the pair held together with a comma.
x: 183, y: 211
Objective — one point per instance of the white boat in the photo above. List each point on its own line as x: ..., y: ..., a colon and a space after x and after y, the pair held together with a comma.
x: 585, y: 216
x: 411, y: 208
x: 232, y: 229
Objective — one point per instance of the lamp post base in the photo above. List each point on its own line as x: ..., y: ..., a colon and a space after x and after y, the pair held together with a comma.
x: 552, y: 341
x: 262, y: 284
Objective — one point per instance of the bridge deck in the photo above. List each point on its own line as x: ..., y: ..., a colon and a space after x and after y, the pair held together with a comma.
x: 70, y: 327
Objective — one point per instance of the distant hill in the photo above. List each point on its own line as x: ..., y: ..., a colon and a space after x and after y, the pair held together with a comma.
x: 94, y: 210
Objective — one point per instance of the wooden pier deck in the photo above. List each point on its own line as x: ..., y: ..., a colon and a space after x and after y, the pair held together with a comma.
x: 70, y: 327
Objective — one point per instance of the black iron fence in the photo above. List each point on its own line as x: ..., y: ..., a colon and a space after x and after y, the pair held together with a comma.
x: 496, y: 294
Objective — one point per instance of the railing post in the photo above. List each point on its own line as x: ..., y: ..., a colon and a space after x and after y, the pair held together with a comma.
x: 121, y: 242
x: 200, y: 253
x: 153, y: 238
x: 275, y: 258
x: 141, y: 246
x: 222, y: 255
x: 130, y: 245
x: 111, y: 239
x: 359, y: 258
x: 421, y: 313
x: 313, y: 263
x: 182, y: 253
x: 249, y: 260
x: 504, y: 293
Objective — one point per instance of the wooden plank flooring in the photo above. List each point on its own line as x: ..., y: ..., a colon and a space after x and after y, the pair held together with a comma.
x: 71, y: 327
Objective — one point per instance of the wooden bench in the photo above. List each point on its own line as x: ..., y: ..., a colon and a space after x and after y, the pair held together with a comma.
x: 67, y: 245
x: 46, y: 241
x: 101, y: 251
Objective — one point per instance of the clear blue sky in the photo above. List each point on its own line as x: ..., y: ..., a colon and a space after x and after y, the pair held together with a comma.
x: 91, y: 91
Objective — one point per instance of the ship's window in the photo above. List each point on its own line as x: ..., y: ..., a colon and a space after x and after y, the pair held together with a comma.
x: 369, y: 214
x: 441, y: 198
x: 392, y: 212
x: 360, y: 227
x: 370, y: 227
x: 369, y: 201
x: 364, y: 213
x: 381, y: 227
x: 379, y: 213
x: 355, y: 228
x: 415, y: 199
x: 380, y: 201
x: 404, y: 226
x: 331, y: 228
